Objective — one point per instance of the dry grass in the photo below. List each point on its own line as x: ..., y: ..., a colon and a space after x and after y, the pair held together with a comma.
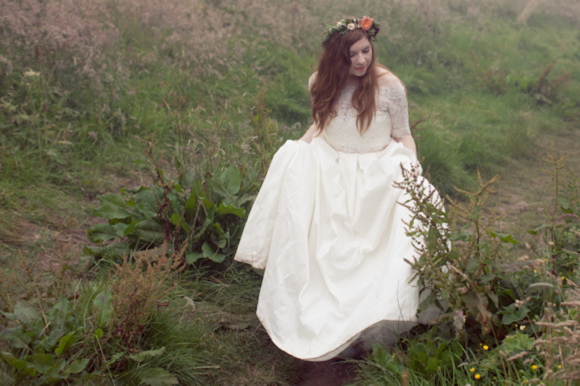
x: 82, y: 37
x: 138, y: 288
x: 560, y: 341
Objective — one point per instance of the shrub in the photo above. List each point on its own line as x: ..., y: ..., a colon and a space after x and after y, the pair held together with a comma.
x: 93, y: 332
x: 204, y: 212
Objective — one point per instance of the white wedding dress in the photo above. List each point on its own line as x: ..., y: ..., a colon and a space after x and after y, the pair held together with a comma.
x: 327, y: 228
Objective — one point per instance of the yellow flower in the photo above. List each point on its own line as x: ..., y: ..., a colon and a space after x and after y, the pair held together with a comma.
x: 472, y: 369
x: 560, y: 366
x: 522, y: 328
x: 534, y: 367
x: 486, y: 347
x: 393, y: 356
x: 525, y: 381
x: 477, y: 376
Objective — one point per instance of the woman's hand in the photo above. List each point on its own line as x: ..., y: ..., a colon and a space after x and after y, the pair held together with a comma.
x: 310, y: 133
x: 408, y: 142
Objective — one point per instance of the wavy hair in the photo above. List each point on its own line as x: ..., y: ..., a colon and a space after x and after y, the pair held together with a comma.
x: 333, y: 72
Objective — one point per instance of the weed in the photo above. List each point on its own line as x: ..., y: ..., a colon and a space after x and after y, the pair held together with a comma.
x: 138, y: 289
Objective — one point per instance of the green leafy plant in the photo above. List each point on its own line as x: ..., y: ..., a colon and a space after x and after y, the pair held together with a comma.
x: 433, y: 354
x: 67, y: 343
x: 206, y: 213
x: 44, y: 343
x: 91, y: 332
x: 462, y: 260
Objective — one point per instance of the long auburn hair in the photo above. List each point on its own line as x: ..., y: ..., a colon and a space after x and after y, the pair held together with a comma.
x: 333, y: 72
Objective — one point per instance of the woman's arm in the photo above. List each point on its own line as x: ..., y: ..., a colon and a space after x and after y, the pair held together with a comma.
x: 310, y: 133
x: 408, y: 142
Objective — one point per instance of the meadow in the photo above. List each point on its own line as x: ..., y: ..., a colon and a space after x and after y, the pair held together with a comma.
x: 134, y: 136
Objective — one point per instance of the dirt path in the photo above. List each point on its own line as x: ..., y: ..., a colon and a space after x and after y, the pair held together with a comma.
x: 333, y: 372
x: 526, y: 189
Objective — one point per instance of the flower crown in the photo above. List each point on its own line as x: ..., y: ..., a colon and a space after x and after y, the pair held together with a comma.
x: 366, y: 24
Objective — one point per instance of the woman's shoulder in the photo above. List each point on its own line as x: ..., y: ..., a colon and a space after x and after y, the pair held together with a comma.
x: 390, y: 87
x: 312, y: 79
x: 386, y: 79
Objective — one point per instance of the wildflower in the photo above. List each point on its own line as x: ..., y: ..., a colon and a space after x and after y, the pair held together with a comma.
x: 534, y: 367
x: 351, y: 26
x: 522, y: 328
x: 560, y: 366
x: 31, y: 73
x: 477, y: 376
x: 393, y: 356
x: 339, y: 24
x: 486, y: 347
x: 472, y: 369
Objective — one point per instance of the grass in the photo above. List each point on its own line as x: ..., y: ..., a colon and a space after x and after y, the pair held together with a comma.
x: 472, y: 83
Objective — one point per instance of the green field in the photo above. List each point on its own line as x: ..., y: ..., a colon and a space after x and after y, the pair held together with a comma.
x: 126, y: 125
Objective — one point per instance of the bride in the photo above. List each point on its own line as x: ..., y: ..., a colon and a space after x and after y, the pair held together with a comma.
x: 326, y: 225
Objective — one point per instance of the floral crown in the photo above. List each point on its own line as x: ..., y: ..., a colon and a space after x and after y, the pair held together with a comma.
x: 366, y: 24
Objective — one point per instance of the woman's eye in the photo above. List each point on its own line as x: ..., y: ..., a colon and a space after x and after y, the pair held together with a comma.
x: 366, y: 51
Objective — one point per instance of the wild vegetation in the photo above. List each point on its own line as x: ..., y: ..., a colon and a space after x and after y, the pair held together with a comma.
x: 135, y: 134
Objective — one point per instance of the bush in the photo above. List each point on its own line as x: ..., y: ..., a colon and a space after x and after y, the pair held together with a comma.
x: 522, y: 312
x: 202, y: 213
x: 93, y: 332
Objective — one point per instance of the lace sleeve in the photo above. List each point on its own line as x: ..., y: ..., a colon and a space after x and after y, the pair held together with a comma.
x: 398, y: 108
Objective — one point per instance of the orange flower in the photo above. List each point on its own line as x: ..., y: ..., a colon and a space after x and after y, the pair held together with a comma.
x: 366, y: 23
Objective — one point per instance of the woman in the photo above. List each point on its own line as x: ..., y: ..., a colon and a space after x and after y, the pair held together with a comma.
x: 326, y: 225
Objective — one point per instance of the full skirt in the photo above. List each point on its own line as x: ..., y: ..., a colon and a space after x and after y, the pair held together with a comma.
x: 329, y: 229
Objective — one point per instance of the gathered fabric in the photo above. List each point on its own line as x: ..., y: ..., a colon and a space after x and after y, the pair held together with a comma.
x: 329, y: 231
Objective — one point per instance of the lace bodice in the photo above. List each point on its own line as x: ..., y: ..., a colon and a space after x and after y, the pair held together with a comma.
x: 391, y: 119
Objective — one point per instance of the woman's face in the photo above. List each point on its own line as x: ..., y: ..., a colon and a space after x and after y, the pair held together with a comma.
x: 360, y: 57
